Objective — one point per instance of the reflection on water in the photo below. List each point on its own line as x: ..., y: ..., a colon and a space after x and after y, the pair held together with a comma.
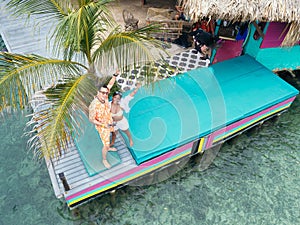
x: 254, y: 179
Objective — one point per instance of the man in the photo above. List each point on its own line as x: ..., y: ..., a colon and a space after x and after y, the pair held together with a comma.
x: 100, y: 115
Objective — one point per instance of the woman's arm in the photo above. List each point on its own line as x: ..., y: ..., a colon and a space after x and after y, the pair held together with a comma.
x: 138, y: 85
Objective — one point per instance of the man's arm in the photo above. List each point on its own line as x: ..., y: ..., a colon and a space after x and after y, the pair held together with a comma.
x: 113, y: 80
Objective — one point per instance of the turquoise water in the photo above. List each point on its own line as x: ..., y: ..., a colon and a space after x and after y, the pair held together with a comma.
x: 255, y: 179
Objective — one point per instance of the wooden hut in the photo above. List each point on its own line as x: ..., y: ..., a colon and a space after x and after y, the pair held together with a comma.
x: 250, y: 10
x: 274, y: 26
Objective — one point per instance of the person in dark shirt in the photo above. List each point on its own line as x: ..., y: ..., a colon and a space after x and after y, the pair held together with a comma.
x: 204, y: 42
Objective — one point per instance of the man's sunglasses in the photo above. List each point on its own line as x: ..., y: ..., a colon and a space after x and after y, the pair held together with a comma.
x: 104, y: 92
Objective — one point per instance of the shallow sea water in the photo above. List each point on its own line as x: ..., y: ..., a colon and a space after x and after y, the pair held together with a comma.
x: 254, y: 179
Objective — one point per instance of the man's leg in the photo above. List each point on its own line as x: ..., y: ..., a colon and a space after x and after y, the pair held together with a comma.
x: 104, y: 159
x: 113, y: 138
x: 104, y: 154
x: 105, y: 137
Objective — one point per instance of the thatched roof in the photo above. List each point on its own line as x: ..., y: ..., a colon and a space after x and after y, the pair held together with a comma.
x: 249, y: 10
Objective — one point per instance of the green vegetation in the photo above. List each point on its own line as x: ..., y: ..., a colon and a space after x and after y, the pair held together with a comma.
x: 87, y: 40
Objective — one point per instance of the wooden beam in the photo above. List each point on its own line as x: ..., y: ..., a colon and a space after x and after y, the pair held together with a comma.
x: 284, y: 30
x: 258, y: 28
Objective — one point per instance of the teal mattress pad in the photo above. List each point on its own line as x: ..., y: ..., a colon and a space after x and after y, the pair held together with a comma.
x: 178, y: 110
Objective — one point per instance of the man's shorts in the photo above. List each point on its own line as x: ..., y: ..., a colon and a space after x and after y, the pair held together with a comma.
x: 104, y: 135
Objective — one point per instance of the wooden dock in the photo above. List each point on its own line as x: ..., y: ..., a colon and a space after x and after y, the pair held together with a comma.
x: 77, y: 178
x: 68, y: 173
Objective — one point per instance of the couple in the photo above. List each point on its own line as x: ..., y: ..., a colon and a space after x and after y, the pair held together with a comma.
x: 106, y: 115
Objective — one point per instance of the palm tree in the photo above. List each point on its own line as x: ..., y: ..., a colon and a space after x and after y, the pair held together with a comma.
x: 87, y: 40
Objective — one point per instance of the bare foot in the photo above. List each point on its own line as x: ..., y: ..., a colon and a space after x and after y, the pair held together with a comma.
x: 130, y: 143
x: 113, y: 149
x: 106, y: 164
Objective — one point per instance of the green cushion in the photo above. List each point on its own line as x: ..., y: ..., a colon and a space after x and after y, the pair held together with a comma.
x: 90, y: 146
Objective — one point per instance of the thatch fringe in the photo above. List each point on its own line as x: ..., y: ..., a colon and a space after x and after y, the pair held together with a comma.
x: 268, y: 10
x: 293, y: 35
x: 249, y: 10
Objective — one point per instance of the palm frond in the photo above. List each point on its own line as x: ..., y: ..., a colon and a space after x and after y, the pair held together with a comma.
x: 13, y: 97
x: 121, y: 49
x: 21, y: 75
x: 49, y: 9
x: 59, y: 116
x: 76, y: 32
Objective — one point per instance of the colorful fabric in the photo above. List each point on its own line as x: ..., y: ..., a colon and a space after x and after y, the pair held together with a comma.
x: 101, y: 112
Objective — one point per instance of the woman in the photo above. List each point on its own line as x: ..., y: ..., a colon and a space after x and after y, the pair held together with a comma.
x: 118, y: 106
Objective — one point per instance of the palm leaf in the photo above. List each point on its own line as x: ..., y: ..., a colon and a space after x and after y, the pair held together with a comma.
x: 120, y: 49
x: 49, y: 9
x: 21, y: 75
x: 58, y: 118
x: 83, y: 30
x: 13, y: 97
x: 76, y: 32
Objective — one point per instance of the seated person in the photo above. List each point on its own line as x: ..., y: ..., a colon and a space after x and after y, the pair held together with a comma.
x: 204, y: 41
x: 180, y: 13
x: 208, y: 25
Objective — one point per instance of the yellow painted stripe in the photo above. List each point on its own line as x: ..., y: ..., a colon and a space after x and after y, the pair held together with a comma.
x: 124, y: 180
x: 200, y: 148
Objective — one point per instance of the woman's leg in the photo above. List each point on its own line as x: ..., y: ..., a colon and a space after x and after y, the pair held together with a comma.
x: 127, y: 132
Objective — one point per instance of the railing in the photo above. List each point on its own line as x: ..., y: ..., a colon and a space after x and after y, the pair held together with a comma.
x: 171, y: 29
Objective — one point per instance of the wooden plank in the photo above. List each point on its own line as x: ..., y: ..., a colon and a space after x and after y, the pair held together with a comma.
x: 63, y: 168
x: 68, y: 164
x: 66, y: 158
x: 75, y: 179
x: 171, y: 29
x: 72, y: 167
x: 55, y: 184
x: 85, y: 183
x: 79, y: 176
x: 71, y: 171
x: 260, y: 32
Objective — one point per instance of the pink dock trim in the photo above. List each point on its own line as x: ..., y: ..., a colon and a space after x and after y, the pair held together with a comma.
x: 132, y: 171
x: 243, y: 121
